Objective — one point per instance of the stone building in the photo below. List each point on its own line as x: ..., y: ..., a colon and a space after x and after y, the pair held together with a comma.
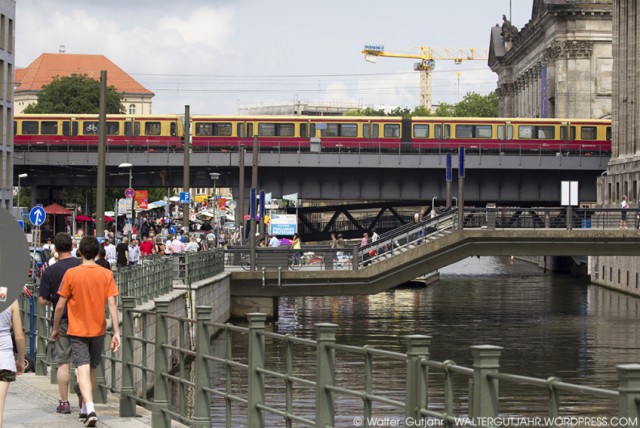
x: 559, y: 64
x: 623, y: 171
x: 7, y: 45
x: 30, y: 80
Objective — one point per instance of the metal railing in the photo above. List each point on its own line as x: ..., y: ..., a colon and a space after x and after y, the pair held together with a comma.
x: 183, y: 391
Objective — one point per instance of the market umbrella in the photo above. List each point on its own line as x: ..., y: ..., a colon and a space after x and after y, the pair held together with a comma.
x: 285, y: 241
x: 55, y: 210
x: 83, y: 218
x: 108, y: 219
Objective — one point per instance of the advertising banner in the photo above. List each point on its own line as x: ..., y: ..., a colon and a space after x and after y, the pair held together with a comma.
x: 283, y: 224
x: 141, y: 199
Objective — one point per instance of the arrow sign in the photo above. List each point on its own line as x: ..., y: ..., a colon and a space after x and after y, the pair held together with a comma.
x: 37, y: 216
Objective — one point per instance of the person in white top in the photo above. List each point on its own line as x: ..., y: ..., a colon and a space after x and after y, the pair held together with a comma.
x: 110, y: 249
x: 374, y: 236
x: 623, y: 216
x: 274, y: 241
x: 177, y: 247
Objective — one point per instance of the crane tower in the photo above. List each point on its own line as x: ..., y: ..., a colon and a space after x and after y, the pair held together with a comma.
x: 427, y: 57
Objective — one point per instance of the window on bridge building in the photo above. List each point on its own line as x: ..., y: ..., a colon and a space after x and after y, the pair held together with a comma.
x: 132, y: 109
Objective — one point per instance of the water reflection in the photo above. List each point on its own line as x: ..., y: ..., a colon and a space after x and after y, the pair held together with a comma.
x: 548, y: 324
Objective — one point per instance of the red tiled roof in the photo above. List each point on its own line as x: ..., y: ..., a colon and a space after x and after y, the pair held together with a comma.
x: 48, y: 65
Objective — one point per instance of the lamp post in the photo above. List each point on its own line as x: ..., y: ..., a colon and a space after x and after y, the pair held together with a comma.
x: 214, y: 176
x: 133, y: 212
x: 23, y: 175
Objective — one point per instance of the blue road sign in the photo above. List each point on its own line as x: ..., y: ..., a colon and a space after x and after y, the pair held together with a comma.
x: 185, y: 197
x: 37, y: 216
x: 461, y: 166
x: 449, y: 172
x: 21, y: 224
x: 172, y: 230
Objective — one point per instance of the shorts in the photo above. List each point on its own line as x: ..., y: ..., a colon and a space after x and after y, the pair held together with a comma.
x: 62, y: 346
x: 87, y: 350
x: 623, y: 215
x: 7, y: 376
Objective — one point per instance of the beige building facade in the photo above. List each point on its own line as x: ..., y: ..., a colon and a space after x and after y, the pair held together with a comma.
x: 559, y: 64
x: 623, y: 171
x: 7, y: 45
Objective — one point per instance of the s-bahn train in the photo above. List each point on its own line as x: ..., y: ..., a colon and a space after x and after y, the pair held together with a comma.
x: 61, y: 132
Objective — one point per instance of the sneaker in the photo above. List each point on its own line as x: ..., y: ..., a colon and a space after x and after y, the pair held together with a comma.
x: 91, y: 420
x: 82, y: 417
x: 63, y: 407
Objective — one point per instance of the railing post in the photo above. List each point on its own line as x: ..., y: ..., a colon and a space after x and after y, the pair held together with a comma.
x: 355, y: 257
x: 101, y: 392
x: 201, y: 412
x: 325, y: 374
x: 43, y: 339
x: 485, y: 390
x: 255, y: 417
x: 416, y: 388
x: 629, y: 388
x: 159, y: 418
x: 127, y: 403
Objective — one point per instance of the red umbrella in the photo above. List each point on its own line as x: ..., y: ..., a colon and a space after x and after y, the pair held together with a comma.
x: 108, y: 219
x: 83, y: 218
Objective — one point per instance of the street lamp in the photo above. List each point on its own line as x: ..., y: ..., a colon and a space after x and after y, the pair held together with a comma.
x: 23, y: 175
x: 133, y: 212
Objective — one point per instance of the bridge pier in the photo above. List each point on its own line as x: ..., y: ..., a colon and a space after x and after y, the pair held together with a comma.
x: 242, y: 306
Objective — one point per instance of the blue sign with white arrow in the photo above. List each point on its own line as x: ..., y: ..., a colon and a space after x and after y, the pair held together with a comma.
x: 37, y: 216
x: 172, y: 230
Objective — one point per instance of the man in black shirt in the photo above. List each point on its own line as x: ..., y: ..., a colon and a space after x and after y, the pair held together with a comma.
x: 122, y: 253
x: 48, y: 294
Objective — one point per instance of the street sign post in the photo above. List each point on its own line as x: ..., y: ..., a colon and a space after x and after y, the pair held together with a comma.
x: 37, y: 216
x: 185, y: 197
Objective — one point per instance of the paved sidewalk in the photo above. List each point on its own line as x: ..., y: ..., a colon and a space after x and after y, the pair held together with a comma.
x: 32, y: 402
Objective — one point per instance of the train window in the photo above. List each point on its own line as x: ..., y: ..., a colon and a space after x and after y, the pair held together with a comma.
x: 588, y: 133
x: 240, y: 130
x: 608, y: 133
x: 348, y: 130
x: 285, y: 129
x: 152, y: 128
x: 366, y: 130
x: 29, y: 127
x: 267, y: 129
x: 204, y: 129
x: 249, y: 129
x: 332, y: 130
x: 128, y: 128
x: 536, y: 132
x: 113, y: 128
x: 222, y: 129
x: 572, y: 133
x: 392, y: 131
x: 438, y: 129
x: 303, y: 130
x: 49, y: 128
x: 66, y: 126
x: 501, y: 135
x: 420, y: 131
x: 473, y: 131
x: 173, y: 127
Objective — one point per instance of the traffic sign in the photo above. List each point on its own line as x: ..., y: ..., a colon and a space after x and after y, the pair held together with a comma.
x: 172, y: 230
x: 37, y: 216
x: 21, y: 223
x: 185, y: 197
x: 129, y: 192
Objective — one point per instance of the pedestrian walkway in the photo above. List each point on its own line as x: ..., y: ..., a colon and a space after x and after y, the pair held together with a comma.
x: 32, y: 401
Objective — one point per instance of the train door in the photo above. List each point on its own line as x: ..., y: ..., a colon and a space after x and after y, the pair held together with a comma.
x: 505, y: 136
x: 442, y: 135
x: 405, y: 145
x: 568, y: 136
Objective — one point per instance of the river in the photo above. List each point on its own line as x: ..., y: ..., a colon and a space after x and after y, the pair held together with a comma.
x: 549, y: 325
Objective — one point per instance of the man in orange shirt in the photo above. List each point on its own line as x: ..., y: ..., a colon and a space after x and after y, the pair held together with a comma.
x: 85, y: 290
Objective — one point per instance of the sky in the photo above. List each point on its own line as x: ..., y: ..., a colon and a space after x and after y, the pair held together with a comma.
x: 219, y: 55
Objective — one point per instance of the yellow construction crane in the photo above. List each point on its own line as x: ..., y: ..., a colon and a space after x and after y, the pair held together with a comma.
x: 427, y: 57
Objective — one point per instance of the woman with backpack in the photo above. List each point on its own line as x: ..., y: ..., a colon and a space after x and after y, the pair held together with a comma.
x: 11, y: 364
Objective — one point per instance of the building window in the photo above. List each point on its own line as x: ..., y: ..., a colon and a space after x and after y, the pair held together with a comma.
x: 132, y: 109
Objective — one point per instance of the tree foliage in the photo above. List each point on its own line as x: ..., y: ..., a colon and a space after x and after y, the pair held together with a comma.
x: 472, y: 105
x: 75, y: 94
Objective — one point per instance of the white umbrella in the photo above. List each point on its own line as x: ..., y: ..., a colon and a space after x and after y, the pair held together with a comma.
x: 174, y: 199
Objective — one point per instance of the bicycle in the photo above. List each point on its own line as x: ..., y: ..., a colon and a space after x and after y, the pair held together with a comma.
x: 294, y: 261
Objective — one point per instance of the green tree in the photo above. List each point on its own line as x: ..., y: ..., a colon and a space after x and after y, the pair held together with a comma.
x: 476, y: 105
x: 75, y: 94
x: 367, y: 111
